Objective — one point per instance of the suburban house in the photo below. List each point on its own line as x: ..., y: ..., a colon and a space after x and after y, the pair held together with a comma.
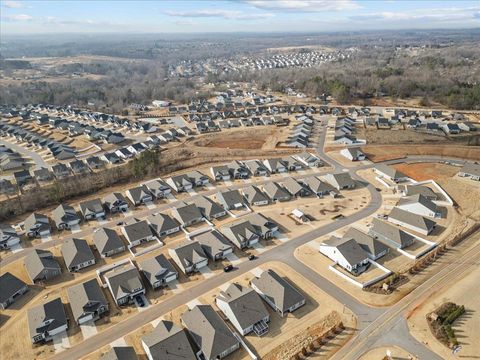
x: 209, y: 208
x: 158, y: 188
x: 139, y: 195
x: 470, y: 170
x: 390, y: 234
x: 37, y: 225
x: 241, y: 233
x: 231, y: 199
x: 197, y: 178
x: 124, y: 283
x: 340, y: 181
x: 374, y: 248
x: 411, y: 221
x: 296, y: 188
x: 187, y: 214
x: 41, y: 265
x: 115, y: 202
x: 65, y: 216
x: 8, y: 236
x: 12, y: 288
x: 214, y: 245
x: 353, y: 154
x: 168, y: 342
x: 277, y: 292
x: 451, y: 128
x: 390, y: 173
x: 309, y: 160
x: 319, y: 187
x: 107, y: 242
x: 255, y: 196
x: 276, y: 192
x: 92, y: 209
x: 180, y: 183
x: 263, y: 226
x: 420, y: 205
x: 275, y: 166
x: 244, y: 308
x: 120, y: 353
x: 189, y: 256
x: 210, y: 332
x: 158, y: 271
x: 47, y: 320
x: 220, y: 173
x: 292, y: 164
x: 87, y: 301
x: 256, y: 168
x: 238, y: 170
x: 410, y: 190
x: 347, y: 253
x: 163, y: 225
x: 138, y: 232
x: 77, y: 254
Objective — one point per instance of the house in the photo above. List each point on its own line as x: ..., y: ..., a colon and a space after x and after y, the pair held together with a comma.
x: 414, y: 123
x: 107, y: 242
x: 390, y: 173
x: 87, y: 301
x: 220, y: 173
x: 37, y: 225
x: 180, y: 183
x: 22, y: 177
x: 292, y: 164
x: 353, y: 154
x: 158, y: 271
x: 65, y: 216
x: 390, y: 234
x: 340, y: 181
x: 47, y: 320
x: 244, y: 308
x: 296, y: 188
x: 43, y: 174
x: 451, y: 128
x: 214, y: 245
x: 189, y: 256
x: 256, y: 168
x: 238, y: 170
x: 255, y: 196
x: 309, y: 160
x: 12, y: 288
x: 41, y: 265
x: 209, y: 208
x: 115, y: 202
x: 346, y: 253
x: 8, y: 236
x: 411, y: 221
x: 209, y: 332
x: 77, y: 254
x: 275, y: 166
x: 112, y: 158
x: 158, y: 188
x: 470, y: 170
x: 198, y: 179
x: 231, y: 199
x: 138, y: 232
x: 139, y: 195
x: 92, y: 209
x: 410, y: 190
x: 187, y: 214
x: 319, y: 188
x: 241, y: 233
x: 163, y: 225
x: 78, y: 167
x: 420, y: 205
x: 432, y: 127
x: 168, y: 342
x: 94, y: 162
x: 277, y: 292
x: 374, y: 248
x: 120, y: 353
x: 276, y: 192
x: 124, y: 283
x: 467, y: 126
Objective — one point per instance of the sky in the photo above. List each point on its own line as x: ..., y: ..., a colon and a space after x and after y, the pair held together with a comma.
x: 188, y: 16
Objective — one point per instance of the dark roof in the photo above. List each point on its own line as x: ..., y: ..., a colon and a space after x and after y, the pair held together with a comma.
x: 10, y: 286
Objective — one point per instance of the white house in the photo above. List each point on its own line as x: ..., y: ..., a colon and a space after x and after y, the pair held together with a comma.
x: 346, y: 253
x: 353, y: 154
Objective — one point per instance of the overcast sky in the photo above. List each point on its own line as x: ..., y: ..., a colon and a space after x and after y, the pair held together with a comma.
x: 33, y: 17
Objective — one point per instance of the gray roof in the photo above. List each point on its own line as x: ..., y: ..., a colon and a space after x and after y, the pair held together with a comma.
x: 419, y: 189
x: 391, y: 232
x: 278, y: 290
x: 106, y: 240
x: 208, y: 207
x: 213, y: 242
x: 34, y: 219
x: 342, y: 179
x: 245, y: 304
x: 114, y: 199
x: 390, y: 171
x: 255, y: 165
x: 253, y: 194
x: 86, y: 298
x: 317, y: 185
x: 38, y: 260
x: 189, y: 252
x: 411, y: 219
x: 10, y: 286
x: 157, y: 268
x: 120, y: 353
x: 239, y: 230
x: 64, y: 213
x: 7, y: 230
x: 76, y: 251
x: 355, y: 152
x: 162, y: 222
x: 139, y: 192
x: 293, y: 186
x: 138, y: 230
x: 208, y: 330
x: 348, y: 248
x: 187, y: 213
x: 156, y: 185
x: 38, y: 315
x: 91, y: 206
x: 221, y: 170
x: 124, y: 280
x: 230, y: 197
x: 366, y: 242
x: 169, y: 342
x: 275, y: 191
x: 419, y: 198
x: 471, y: 169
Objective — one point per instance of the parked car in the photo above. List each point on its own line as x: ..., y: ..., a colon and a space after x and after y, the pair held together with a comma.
x: 140, y: 301
x: 251, y: 257
x: 228, y: 268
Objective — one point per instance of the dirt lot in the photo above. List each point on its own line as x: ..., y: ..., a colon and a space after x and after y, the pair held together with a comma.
x: 376, y: 136
x: 467, y: 327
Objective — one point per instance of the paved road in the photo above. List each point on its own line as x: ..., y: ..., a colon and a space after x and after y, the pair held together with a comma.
x: 37, y: 159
